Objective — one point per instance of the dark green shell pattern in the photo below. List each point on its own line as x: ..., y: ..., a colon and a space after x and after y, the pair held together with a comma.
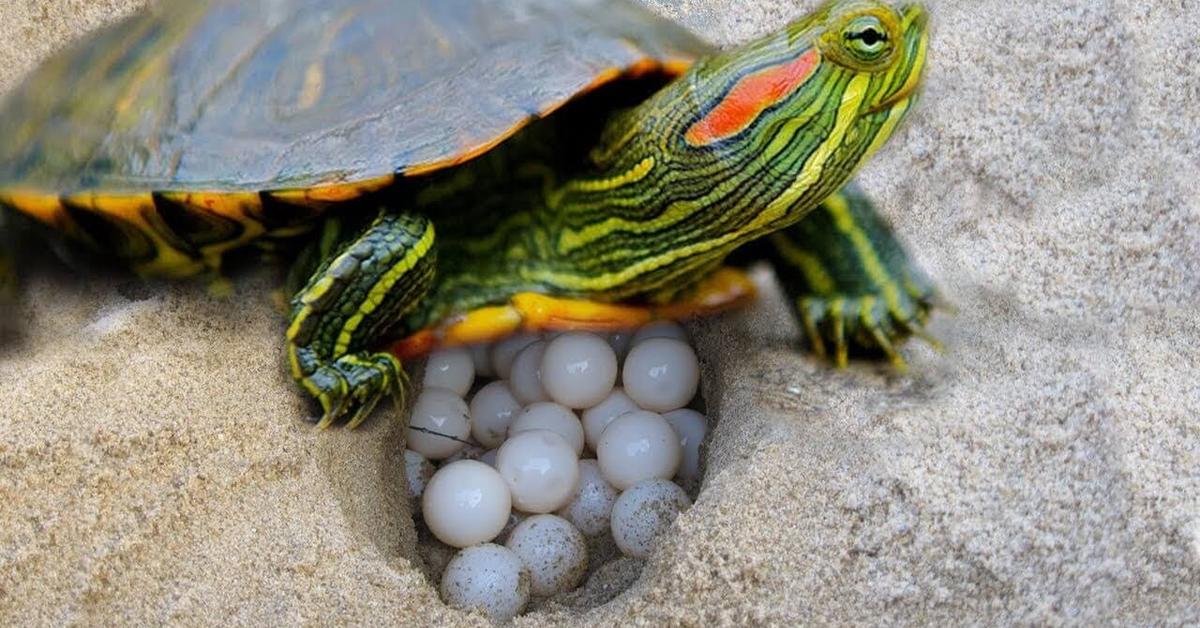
x: 231, y: 95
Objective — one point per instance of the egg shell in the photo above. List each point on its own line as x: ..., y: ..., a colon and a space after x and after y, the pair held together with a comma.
x: 642, y: 514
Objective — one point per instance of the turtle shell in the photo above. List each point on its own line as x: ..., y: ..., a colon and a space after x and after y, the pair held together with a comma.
x: 196, y: 126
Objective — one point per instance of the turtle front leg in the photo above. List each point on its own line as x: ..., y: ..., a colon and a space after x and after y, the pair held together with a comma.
x: 363, y: 283
x: 850, y: 281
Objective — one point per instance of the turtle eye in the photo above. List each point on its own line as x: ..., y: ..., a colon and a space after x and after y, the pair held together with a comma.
x: 866, y: 38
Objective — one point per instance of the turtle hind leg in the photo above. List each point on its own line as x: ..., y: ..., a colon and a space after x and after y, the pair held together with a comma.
x: 850, y: 281
x: 363, y: 284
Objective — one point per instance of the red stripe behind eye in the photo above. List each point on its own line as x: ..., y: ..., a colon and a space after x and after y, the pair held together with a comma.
x: 751, y: 96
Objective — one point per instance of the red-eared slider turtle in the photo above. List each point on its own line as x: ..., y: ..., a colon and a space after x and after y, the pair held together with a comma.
x: 463, y: 169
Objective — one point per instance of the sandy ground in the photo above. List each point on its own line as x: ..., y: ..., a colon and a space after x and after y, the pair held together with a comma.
x: 154, y: 468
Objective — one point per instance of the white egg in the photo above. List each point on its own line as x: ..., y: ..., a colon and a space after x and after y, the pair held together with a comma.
x: 554, y: 551
x: 505, y: 351
x: 465, y: 503
x: 493, y: 409
x: 525, y: 377
x: 691, y: 427
x: 661, y: 374
x: 452, y: 369
x: 417, y: 471
x: 638, y: 446
x: 540, y: 468
x: 439, y: 425
x: 591, y: 505
x: 487, y: 577
x: 579, y: 369
x: 643, y: 513
x: 481, y: 355
x: 659, y: 329
x: 597, y: 417
x: 547, y: 415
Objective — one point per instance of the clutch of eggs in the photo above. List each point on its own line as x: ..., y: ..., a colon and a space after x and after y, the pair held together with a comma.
x: 519, y: 452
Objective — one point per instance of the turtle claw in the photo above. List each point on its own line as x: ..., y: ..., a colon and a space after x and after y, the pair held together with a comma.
x: 353, y: 385
x: 917, y: 330
x: 876, y: 327
x: 811, y: 314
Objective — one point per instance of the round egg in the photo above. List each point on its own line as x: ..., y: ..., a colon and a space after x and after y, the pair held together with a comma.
x: 591, y: 506
x: 554, y: 551
x: 525, y: 377
x: 579, y: 369
x: 661, y: 374
x: 452, y: 369
x: 465, y: 503
x: 505, y: 351
x: 643, y: 513
x: 439, y: 425
x: 540, y: 469
x: 597, y: 417
x: 547, y: 415
x: 417, y: 472
x: 487, y: 577
x: 659, y: 329
x: 493, y: 409
x: 691, y: 427
x: 638, y: 446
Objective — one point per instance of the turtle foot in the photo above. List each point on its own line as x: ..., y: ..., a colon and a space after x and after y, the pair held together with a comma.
x: 862, y: 322
x: 351, y: 386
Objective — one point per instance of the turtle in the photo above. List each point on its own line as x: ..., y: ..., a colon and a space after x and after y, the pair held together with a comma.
x: 449, y: 172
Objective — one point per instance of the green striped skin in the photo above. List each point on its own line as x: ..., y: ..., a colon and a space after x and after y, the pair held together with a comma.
x: 850, y: 280
x: 664, y: 195
x: 650, y: 214
x: 361, y: 288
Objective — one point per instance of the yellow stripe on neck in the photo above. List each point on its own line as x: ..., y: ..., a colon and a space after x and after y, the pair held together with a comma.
x: 771, y: 215
x: 379, y: 291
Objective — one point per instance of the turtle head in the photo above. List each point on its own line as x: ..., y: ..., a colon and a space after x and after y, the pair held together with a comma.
x: 880, y: 50
x: 799, y: 110
x: 855, y: 60
x: 743, y: 143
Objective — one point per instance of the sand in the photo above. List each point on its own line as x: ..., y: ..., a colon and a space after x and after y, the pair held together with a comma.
x: 154, y: 466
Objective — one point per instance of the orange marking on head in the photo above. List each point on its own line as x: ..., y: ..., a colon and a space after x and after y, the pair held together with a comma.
x: 751, y: 96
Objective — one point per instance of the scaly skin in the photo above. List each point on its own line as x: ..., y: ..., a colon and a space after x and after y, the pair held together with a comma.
x: 664, y: 203
x: 361, y: 287
x: 850, y: 281
x: 742, y: 145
